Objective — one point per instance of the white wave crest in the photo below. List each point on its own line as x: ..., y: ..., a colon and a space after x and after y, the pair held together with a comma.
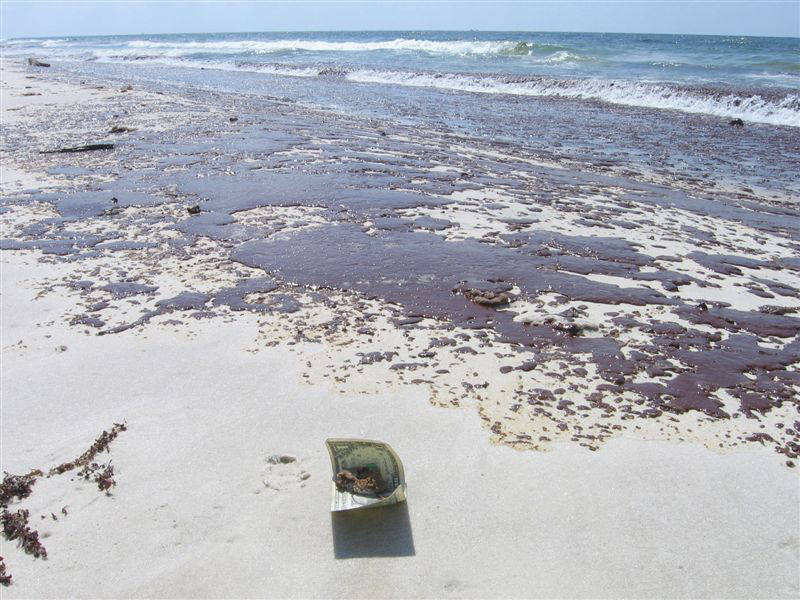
x: 562, y: 56
x: 650, y: 95
x: 109, y: 51
x: 174, y: 48
x: 179, y: 49
x: 226, y: 65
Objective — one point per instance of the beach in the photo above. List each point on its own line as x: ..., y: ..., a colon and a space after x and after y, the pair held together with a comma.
x: 573, y: 362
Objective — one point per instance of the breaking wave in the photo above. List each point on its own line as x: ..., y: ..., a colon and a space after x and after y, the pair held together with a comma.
x: 756, y: 85
x: 77, y: 48
x: 457, y: 47
x: 780, y: 110
x: 773, y: 108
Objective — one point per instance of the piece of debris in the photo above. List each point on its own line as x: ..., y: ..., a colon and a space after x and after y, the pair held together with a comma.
x: 573, y: 328
x: 486, y: 297
x: 86, y: 148
x: 736, y: 122
x: 126, y: 88
x: 121, y: 129
x: 281, y: 459
x: 365, y: 480
x: 194, y: 210
x: 233, y: 119
x: 32, y: 62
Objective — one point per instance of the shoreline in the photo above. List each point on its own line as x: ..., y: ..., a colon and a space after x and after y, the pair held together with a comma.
x: 540, y: 524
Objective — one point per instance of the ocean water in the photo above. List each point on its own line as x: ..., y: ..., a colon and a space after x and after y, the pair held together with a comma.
x: 756, y: 79
x: 655, y: 103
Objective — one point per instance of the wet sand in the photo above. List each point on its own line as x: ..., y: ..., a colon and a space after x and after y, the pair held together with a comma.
x: 297, y: 307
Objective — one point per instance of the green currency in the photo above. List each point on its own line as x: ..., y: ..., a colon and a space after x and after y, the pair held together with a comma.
x: 366, y: 474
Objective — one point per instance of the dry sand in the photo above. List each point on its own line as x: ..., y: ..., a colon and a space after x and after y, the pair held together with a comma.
x: 198, y: 510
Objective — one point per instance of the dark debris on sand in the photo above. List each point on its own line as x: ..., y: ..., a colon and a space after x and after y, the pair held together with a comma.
x: 15, y: 527
x: 5, y: 578
x: 15, y: 523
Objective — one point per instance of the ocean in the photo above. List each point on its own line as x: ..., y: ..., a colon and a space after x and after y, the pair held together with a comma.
x: 654, y: 104
x: 756, y: 79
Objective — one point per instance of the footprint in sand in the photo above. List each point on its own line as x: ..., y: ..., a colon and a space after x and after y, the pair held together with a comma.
x: 282, y: 471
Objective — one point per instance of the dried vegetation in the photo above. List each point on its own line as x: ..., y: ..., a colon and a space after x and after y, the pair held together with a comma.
x: 16, y: 523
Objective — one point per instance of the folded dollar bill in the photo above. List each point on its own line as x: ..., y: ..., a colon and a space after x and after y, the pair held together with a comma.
x: 366, y: 474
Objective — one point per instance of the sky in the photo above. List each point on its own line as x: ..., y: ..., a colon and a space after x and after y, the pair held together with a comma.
x: 33, y: 18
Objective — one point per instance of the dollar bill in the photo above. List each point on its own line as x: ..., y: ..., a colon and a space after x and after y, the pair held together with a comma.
x: 366, y: 474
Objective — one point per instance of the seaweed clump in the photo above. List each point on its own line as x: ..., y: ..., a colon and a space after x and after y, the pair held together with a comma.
x: 16, y: 524
x: 17, y: 486
x: 5, y: 578
x: 102, y: 475
x: 101, y: 444
x: 15, y: 527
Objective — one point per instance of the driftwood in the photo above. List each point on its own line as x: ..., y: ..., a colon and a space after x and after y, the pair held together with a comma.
x: 86, y: 148
x: 37, y: 63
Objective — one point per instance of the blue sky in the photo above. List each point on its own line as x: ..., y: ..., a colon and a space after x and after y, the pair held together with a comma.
x: 31, y: 18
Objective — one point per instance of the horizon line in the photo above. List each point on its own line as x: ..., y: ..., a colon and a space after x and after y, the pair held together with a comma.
x: 396, y: 31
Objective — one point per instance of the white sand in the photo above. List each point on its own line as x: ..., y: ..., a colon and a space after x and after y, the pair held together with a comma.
x: 191, y: 514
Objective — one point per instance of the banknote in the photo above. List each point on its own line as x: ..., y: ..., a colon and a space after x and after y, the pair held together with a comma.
x: 366, y: 474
